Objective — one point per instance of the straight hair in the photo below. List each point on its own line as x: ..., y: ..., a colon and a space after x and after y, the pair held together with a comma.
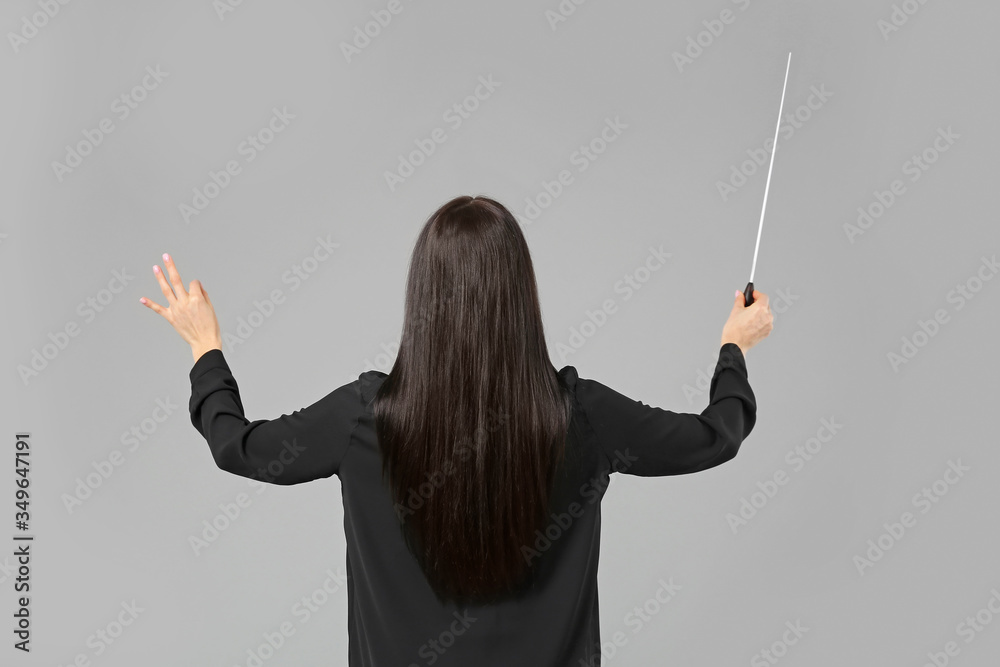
x: 472, y: 418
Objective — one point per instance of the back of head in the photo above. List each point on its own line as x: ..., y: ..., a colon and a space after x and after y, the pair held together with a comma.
x: 471, y: 419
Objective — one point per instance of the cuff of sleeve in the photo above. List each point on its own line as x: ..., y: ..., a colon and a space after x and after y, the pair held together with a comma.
x: 207, y: 361
x: 731, y: 356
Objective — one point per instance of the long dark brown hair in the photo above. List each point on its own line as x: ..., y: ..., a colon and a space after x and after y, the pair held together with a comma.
x: 472, y: 418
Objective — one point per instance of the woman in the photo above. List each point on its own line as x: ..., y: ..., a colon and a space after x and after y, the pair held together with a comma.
x: 472, y: 473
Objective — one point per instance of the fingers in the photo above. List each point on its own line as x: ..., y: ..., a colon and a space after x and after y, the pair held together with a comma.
x: 155, y: 307
x: 164, y: 286
x: 175, y: 277
x: 196, y: 285
x: 760, y: 296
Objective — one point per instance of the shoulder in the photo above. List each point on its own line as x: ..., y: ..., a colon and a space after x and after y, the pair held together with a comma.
x: 569, y: 378
x: 368, y: 383
x: 568, y: 372
x: 587, y: 391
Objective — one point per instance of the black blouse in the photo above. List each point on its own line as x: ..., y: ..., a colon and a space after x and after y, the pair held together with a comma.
x: 395, y: 620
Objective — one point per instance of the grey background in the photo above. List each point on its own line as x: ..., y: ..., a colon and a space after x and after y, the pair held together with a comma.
x: 849, y: 307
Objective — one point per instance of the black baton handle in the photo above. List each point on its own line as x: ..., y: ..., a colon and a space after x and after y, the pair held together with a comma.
x: 748, y: 294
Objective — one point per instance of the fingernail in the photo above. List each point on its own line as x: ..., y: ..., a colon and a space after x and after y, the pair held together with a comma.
x: 166, y: 257
x: 156, y: 268
x: 142, y: 299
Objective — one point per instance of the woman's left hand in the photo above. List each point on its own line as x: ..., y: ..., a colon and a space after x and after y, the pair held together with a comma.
x: 190, y: 311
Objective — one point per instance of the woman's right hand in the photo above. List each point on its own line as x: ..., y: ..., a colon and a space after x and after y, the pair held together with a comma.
x: 748, y: 325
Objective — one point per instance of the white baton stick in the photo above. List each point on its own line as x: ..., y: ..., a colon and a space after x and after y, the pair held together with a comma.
x: 748, y: 292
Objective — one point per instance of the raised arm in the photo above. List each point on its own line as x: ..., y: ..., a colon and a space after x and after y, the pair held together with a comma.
x: 639, y: 439
x: 659, y: 442
x: 305, y: 445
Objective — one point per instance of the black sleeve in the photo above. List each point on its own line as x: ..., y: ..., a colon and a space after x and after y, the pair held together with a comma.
x: 305, y: 445
x: 638, y: 439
